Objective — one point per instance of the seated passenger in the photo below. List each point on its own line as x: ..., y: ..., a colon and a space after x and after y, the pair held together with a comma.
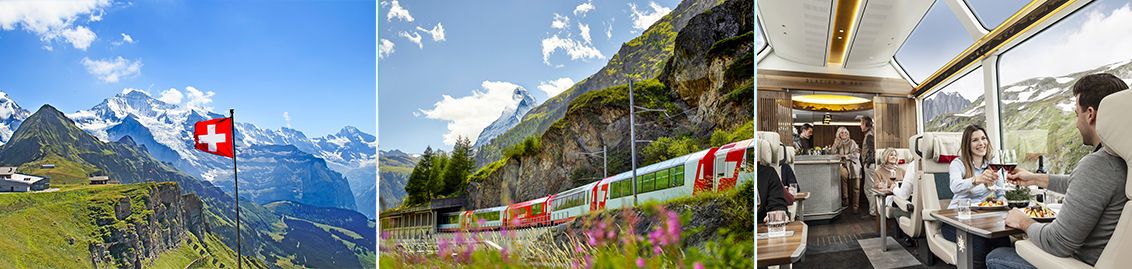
x: 770, y: 194
x: 889, y: 175
x: 1094, y: 190
x: 971, y: 180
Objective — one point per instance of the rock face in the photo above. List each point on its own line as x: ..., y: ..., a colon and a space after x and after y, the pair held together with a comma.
x: 144, y: 223
x: 711, y: 67
x: 640, y: 58
x: 944, y: 103
x: 272, y: 173
x: 707, y: 85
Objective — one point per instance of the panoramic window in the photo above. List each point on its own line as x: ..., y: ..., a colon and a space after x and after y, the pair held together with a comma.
x: 1037, y: 76
x: 760, y: 40
x: 957, y: 105
x: 993, y: 13
x: 936, y: 40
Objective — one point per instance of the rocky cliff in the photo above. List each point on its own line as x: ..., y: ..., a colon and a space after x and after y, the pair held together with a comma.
x: 639, y: 59
x: 141, y: 223
x: 705, y: 87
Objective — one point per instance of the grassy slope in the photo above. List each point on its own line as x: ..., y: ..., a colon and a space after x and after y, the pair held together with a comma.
x: 40, y: 228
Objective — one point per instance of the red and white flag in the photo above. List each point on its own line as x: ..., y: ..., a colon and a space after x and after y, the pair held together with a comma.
x: 214, y: 136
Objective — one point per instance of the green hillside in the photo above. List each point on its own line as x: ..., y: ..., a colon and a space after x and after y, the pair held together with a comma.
x: 57, y: 229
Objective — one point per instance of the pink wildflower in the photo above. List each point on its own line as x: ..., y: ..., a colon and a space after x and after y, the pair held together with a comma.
x: 640, y: 262
x: 698, y: 265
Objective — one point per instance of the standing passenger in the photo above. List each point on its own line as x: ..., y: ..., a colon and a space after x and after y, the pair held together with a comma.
x: 868, y: 159
x: 850, y: 155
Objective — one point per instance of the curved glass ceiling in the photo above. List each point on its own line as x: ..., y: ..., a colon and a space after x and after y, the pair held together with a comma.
x: 936, y: 40
x: 993, y: 13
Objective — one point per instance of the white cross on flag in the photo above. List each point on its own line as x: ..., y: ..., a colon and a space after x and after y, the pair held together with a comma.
x: 214, y: 136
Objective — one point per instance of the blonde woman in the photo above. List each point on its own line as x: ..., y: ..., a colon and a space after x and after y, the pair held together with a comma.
x: 888, y: 174
x: 850, y: 154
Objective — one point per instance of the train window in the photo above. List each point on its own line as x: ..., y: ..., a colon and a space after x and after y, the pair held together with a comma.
x: 536, y: 209
x: 933, y: 43
x: 662, y: 179
x: 648, y: 183
x: 1037, y: 76
x: 957, y: 105
x: 615, y: 189
x: 760, y: 40
x: 678, y: 176
x: 627, y: 187
x: 993, y: 13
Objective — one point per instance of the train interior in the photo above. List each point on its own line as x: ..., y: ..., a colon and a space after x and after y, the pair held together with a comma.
x: 922, y: 71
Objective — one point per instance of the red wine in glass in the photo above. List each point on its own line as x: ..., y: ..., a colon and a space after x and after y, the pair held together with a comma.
x: 1009, y: 167
x: 995, y: 167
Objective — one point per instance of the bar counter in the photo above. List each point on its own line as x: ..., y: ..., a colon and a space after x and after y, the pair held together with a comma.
x: 820, y: 176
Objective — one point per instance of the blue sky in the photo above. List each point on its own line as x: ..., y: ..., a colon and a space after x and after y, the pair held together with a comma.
x: 311, y: 60
x: 488, y: 48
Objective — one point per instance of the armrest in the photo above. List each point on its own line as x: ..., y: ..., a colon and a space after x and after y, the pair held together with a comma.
x: 1041, y: 259
x: 904, y: 204
x: 928, y: 216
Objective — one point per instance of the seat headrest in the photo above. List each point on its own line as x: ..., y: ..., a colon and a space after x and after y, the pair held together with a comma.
x: 766, y: 152
x: 788, y: 153
x: 941, y: 147
x: 1115, y: 130
x: 903, y: 156
x: 773, y: 137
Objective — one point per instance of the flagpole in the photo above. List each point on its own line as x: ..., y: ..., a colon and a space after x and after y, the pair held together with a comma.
x: 236, y: 179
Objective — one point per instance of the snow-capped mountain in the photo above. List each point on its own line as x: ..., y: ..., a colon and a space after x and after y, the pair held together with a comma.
x: 11, y: 115
x: 509, y: 118
x: 164, y: 129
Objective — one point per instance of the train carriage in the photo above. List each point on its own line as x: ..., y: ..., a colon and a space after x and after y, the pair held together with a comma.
x: 529, y: 213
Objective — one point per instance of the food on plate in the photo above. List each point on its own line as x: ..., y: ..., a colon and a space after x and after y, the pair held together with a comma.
x: 1036, y: 211
x: 990, y: 201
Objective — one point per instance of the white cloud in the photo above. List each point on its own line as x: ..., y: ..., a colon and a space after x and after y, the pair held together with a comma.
x: 53, y: 20
x: 1099, y: 35
x: 80, y: 37
x: 468, y: 115
x: 110, y: 70
x: 127, y: 38
x: 560, y: 22
x: 396, y: 11
x: 171, y: 96
x: 385, y: 48
x: 583, y: 8
x: 414, y: 37
x: 287, y: 119
x: 585, y: 29
x: 609, y: 30
x: 554, y: 87
x: 642, y: 19
x: 198, y: 100
x: 437, y: 32
x: 576, y: 49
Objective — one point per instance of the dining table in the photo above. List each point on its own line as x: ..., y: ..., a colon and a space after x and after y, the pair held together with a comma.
x: 785, y: 250
x: 983, y: 223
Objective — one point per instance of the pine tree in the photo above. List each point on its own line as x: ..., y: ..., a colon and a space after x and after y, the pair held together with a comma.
x: 418, y: 188
x: 459, y: 166
x: 436, y: 177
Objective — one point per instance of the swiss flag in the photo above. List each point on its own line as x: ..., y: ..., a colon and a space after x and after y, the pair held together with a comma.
x: 214, y: 136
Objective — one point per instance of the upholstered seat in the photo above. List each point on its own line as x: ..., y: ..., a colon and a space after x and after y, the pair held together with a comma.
x: 1116, y: 134
x: 937, y: 150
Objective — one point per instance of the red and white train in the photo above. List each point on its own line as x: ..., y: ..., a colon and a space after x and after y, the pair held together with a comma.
x: 709, y: 170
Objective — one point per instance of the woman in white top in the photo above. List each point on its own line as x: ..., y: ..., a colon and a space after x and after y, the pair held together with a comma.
x: 971, y: 179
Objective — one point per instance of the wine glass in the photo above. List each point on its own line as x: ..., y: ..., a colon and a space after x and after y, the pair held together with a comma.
x: 1008, y: 162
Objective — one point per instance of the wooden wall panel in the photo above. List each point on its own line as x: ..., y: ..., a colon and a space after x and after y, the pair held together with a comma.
x: 775, y: 115
x: 895, y: 121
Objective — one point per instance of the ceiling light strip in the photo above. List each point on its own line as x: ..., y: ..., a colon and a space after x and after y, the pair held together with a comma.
x: 844, y: 21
